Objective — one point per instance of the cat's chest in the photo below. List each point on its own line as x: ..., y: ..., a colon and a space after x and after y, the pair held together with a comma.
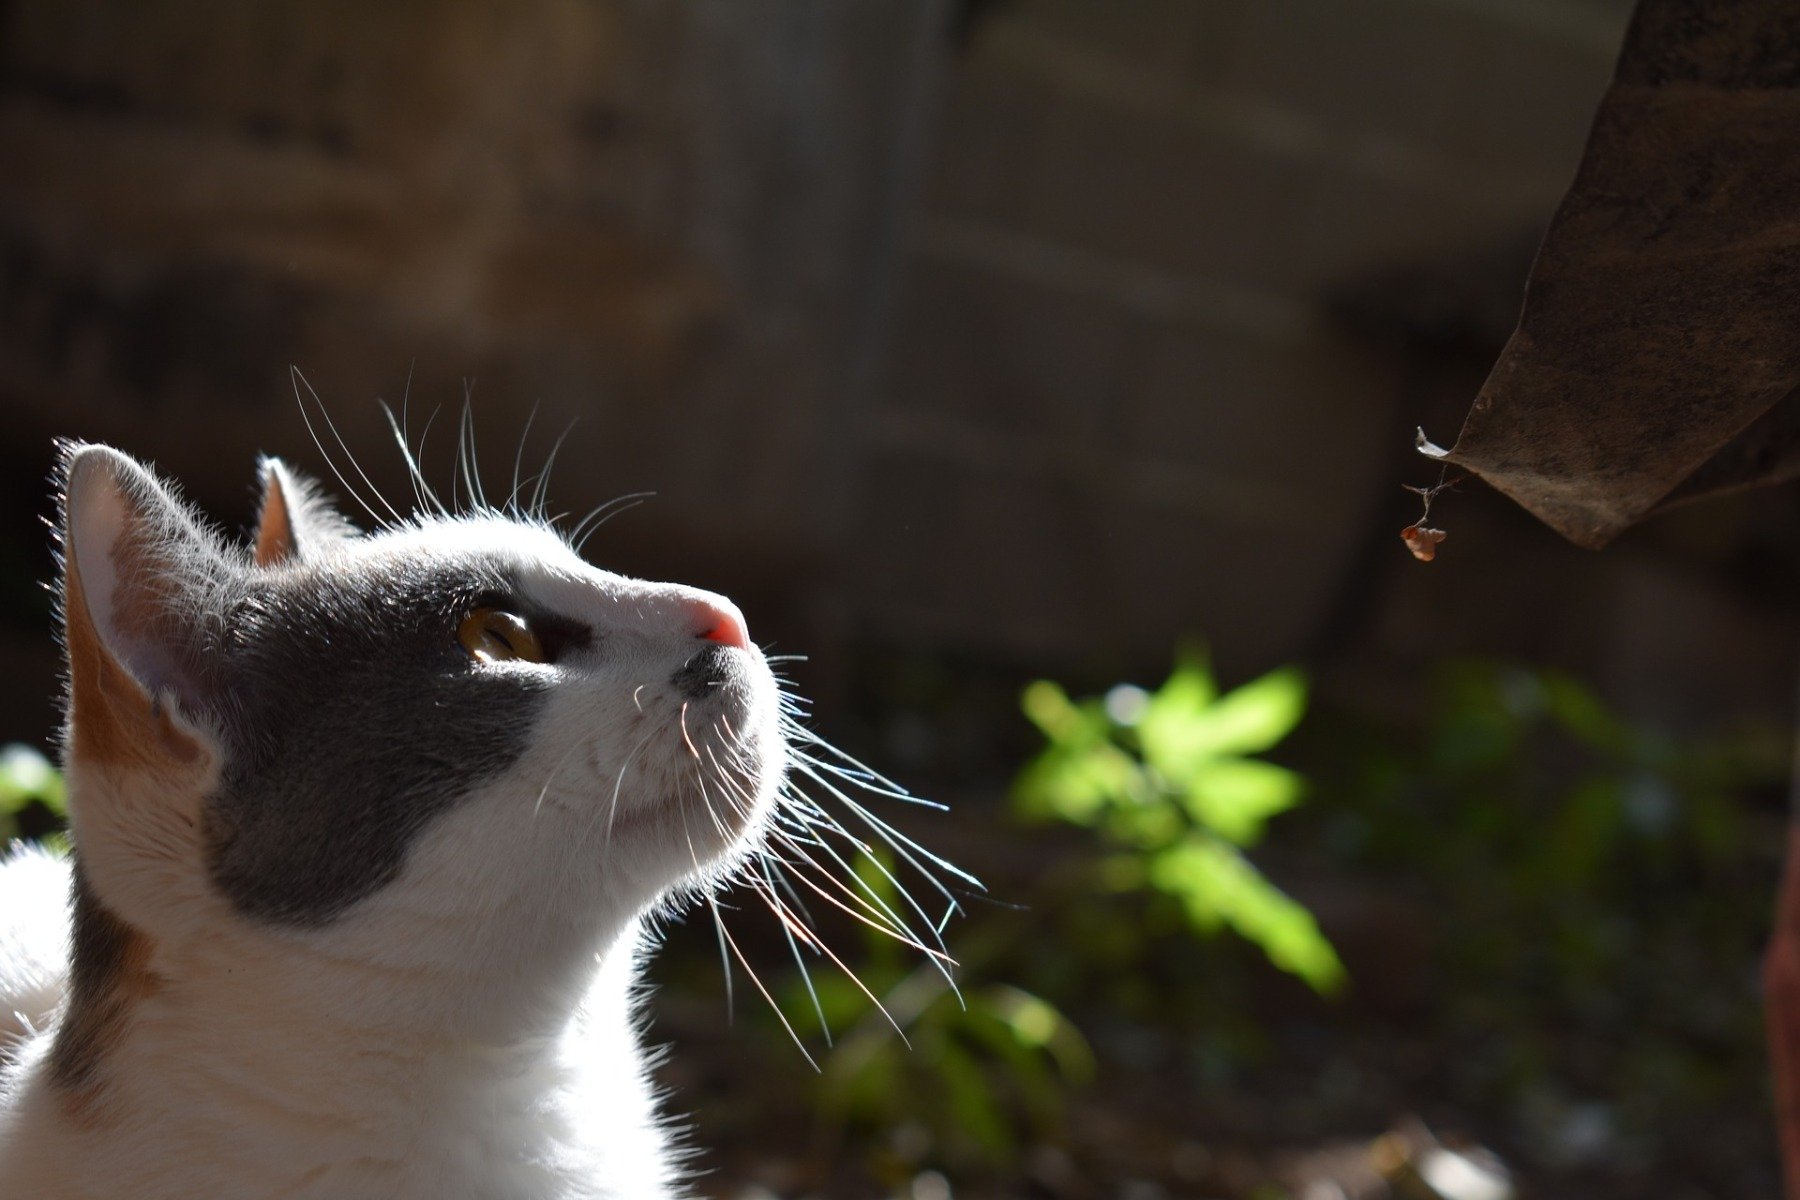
x: 237, y: 1104
x: 520, y: 1139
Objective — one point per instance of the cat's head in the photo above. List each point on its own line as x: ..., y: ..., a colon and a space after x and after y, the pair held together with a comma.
x: 450, y: 738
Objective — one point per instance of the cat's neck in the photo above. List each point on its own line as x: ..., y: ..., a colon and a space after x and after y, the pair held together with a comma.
x: 292, y: 1068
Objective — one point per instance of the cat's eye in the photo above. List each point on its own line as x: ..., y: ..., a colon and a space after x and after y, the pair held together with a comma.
x: 495, y: 635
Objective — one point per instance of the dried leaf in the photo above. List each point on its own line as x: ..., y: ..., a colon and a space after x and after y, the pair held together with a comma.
x: 1422, y: 540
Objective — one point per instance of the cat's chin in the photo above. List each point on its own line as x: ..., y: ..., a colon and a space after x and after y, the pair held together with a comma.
x: 716, y: 819
x: 701, y: 803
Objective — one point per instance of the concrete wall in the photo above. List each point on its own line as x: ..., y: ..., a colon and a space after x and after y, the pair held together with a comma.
x: 1118, y: 406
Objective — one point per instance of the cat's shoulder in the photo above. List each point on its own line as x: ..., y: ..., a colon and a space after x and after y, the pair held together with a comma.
x: 34, y: 938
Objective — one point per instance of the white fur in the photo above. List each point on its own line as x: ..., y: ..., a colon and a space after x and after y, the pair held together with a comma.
x: 34, y: 937
x: 466, y: 1031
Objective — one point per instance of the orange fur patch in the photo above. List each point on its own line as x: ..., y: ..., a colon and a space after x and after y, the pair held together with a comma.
x: 274, y: 529
x: 112, y: 975
x: 112, y: 720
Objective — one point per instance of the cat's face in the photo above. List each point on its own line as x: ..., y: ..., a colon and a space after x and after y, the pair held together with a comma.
x: 383, y: 682
x: 451, y: 739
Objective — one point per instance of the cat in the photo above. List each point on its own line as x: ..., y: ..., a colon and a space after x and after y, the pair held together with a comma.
x: 366, y: 829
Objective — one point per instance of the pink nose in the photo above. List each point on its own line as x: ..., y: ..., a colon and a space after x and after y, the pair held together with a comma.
x: 717, y: 621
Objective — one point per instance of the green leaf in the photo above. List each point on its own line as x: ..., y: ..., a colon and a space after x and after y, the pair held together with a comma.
x: 1583, y: 714
x: 1060, y: 719
x: 1016, y: 1072
x: 26, y: 775
x: 971, y: 1101
x: 1182, y: 698
x: 1218, y: 885
x: 27, y: 778
x: 1037, y: 1023
x: 1585, y: 834
x: 1177, y: 737
x: 1235, y: 797
x: 1149, y: 822
x: 1076, y: 785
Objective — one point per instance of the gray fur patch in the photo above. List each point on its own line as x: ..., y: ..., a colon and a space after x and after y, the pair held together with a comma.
x: 354, y: 717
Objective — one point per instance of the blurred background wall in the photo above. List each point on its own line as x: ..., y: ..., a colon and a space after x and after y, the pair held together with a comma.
x: 1039, y: 332
x: 675, y: 222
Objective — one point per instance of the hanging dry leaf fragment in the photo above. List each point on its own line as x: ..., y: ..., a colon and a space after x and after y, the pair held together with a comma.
x: 1422, y: 540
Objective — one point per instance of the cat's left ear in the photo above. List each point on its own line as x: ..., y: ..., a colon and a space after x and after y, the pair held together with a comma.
x: 296, y: 519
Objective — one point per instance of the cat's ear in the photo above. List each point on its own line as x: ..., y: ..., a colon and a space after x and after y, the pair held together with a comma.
x: 140, y: 578
x: 296, y: 519
x: 138, y: 573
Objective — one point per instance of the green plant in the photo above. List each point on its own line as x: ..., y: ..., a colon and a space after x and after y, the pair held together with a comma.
x: 977, y: 1071
x: 1171, y: 783
x: 32, y: 802
x: 1594, y: 893
x: 1168, y: 780
x: 980, y: 1071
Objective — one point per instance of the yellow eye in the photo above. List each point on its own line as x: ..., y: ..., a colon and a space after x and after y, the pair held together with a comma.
x: 494, y: 635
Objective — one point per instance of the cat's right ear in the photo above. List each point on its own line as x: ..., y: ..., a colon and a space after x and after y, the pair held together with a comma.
x: 295, y: 519
x: 142, y: 583
x: 137, y: 567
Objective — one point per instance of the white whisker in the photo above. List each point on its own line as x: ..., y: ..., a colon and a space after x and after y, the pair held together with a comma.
x: 298, y: 381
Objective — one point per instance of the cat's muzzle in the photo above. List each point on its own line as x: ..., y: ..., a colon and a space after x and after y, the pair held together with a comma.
x: 707, y: 670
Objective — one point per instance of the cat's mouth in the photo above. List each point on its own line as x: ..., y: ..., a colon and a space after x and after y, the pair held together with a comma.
x: 707, y: 670
x: 730, y: 754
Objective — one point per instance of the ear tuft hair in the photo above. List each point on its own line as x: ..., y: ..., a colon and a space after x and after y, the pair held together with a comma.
x: 296, y: 519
